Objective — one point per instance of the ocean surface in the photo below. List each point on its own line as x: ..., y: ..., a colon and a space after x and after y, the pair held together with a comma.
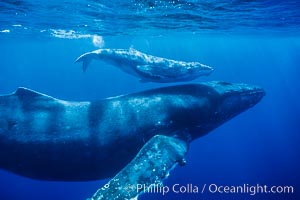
x: 249, y: 41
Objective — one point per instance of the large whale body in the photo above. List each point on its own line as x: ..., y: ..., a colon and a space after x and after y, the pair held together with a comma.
x: 147, y: 67
x: 46, y: 138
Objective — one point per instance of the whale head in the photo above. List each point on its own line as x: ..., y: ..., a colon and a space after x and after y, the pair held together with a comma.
x: 231, y: 100
x: 198, y: 69
x: 235, y: 98
x: 207, y: 105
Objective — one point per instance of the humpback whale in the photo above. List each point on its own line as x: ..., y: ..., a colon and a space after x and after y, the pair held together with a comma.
x: 45, y: 138
x: 147, y: 67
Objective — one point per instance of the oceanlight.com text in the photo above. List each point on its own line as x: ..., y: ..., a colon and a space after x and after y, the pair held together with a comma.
x: 247, y: 189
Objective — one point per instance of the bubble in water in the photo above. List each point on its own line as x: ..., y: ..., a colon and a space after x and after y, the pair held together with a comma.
x: 5, y: 31
x: 98, y: 41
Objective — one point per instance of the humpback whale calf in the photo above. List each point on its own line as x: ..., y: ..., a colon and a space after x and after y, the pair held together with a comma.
x: 45, y: 138
x: 147, y: 67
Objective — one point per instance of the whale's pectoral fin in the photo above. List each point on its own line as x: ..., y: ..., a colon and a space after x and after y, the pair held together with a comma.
x: 148, y: 71
x: 150, y: 166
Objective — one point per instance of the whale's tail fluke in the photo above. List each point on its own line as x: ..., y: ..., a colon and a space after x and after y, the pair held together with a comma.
x: 85, y: 59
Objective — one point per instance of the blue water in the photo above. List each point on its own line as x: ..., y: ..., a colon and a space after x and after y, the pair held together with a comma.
x: 255, y: 42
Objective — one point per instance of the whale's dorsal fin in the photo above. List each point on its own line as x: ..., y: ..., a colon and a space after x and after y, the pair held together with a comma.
x: 25, y: 93
x: 21, y: 91
x: 150, y: 166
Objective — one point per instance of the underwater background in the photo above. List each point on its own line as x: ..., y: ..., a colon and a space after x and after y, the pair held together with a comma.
x: 254, y: 42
